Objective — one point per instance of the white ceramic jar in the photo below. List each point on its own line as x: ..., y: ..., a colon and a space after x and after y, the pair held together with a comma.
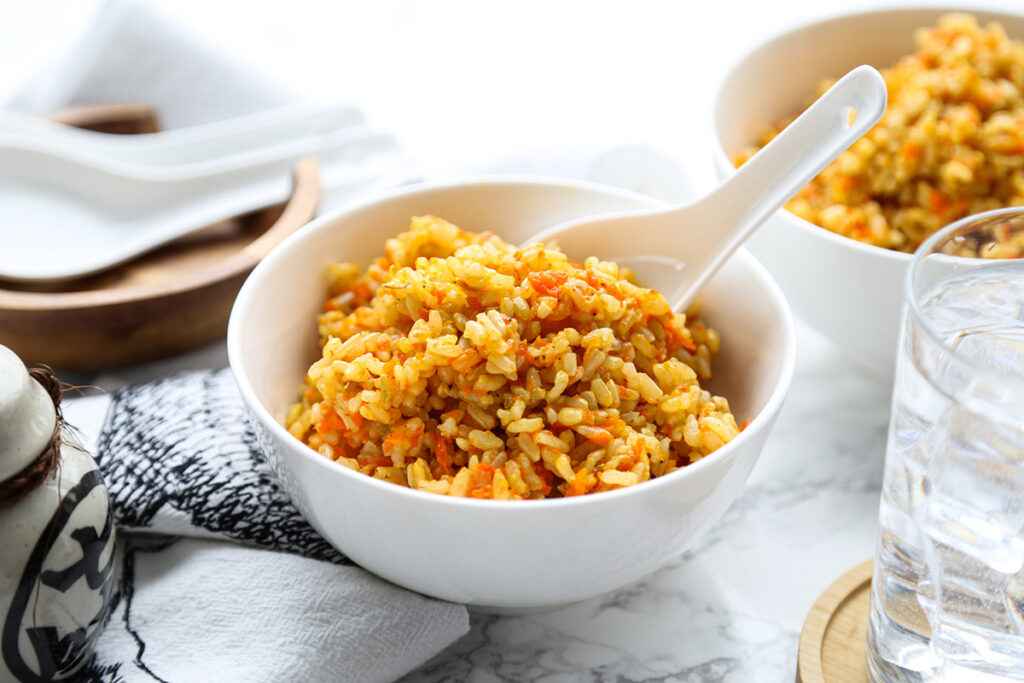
x: 56, y: 541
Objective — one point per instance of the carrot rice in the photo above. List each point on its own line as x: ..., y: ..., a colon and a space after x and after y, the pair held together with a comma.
x: 459, y: 365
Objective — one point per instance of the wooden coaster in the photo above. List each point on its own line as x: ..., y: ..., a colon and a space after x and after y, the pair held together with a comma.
x: 833, y: 643
x: 172, y: 299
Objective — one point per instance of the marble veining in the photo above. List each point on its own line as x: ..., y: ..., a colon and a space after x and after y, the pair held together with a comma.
x: 730, y: 609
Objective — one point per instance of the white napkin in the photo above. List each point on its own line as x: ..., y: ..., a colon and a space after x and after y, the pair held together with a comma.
x: 133, y: 53
x: 179, y: 457
x: 207, y: 611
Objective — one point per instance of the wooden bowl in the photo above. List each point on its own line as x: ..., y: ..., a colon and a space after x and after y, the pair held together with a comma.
x: 168, y: 301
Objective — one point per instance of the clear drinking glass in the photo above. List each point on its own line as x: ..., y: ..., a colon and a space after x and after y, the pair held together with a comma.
x: 947, y: 599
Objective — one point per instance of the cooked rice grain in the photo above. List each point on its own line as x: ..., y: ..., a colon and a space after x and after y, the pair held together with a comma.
x: 459, y: 365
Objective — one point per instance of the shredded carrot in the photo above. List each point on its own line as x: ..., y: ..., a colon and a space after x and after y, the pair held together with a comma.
x: 679, y: 337
x: 580, y: 484
x: 547, y: 282
x: 362, y: 292
x: 911, y: 151
x: 483, y: 481
x: 330, y: 422
x: 847, y: 183
x: 482, y: 491
x: 613, y: 424
x: 443, y: 453
x: 375, y: 461
x: 392, y: 440
x: 602, y: 437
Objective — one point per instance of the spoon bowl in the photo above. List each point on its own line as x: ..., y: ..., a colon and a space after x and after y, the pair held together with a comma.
x: 681, y: 248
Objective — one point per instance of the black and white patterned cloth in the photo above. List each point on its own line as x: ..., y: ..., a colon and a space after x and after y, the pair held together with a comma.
x: 219, y: 576
x: 180, y: 455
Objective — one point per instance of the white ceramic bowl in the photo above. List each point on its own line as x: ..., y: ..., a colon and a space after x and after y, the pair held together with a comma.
x: 849, y: 291
x: 511, y: 554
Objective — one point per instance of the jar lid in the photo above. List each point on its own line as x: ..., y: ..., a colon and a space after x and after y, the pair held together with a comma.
x: 27, y: 416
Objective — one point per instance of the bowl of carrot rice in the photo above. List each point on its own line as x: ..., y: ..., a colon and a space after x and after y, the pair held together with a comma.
x: 502, y: 426
x: 950, y: 144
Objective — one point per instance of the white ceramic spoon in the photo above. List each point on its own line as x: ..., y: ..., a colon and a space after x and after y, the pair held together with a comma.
x: 681, y: 248
x: 62, y: 219
x: 285, y: 132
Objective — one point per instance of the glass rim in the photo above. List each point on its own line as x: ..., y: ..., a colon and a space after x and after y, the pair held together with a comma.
x: 926, y: 250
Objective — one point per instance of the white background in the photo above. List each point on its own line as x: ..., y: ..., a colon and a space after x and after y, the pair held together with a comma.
x: 469, y: 79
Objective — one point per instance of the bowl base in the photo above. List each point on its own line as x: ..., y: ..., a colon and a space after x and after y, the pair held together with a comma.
x: 520, y: 611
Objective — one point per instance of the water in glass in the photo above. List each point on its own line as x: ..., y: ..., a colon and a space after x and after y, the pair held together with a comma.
x: 948, y: 590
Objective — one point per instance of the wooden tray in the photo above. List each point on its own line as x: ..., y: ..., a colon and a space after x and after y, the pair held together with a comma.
x: 171, y: 300
x: 833, y: 642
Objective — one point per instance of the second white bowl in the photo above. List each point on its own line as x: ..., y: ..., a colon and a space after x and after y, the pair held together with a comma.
x: 849, y: 291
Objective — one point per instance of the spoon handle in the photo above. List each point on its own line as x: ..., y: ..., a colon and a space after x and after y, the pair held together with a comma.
x: 796, y: 155
x: 732, y: 212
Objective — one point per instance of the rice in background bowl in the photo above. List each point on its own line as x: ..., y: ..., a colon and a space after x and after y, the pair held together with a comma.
x: 951, y: 143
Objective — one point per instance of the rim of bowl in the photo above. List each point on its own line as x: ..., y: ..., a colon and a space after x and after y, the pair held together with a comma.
x: 260, y: 411
x: 722, y: 159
